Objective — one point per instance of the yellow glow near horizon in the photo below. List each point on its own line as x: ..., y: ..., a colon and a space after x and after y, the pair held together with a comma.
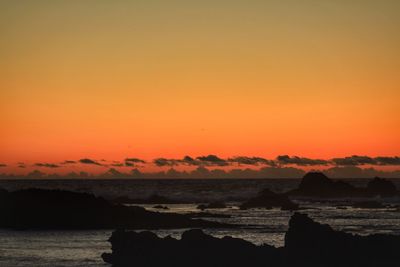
x: 110, y: 79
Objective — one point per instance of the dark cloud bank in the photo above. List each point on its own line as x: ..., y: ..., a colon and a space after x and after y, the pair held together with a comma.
x: 282, y: 160
x: 214, y: 167
x: 202, y: 172
x: 89, y: 161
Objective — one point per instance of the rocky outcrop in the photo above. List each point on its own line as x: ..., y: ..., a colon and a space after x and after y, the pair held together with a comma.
x: 381, y: 187
x: 317, y: 185
x: 307, y: 244
x: 268, y: 199
x: 56, y: 209
x: 195, y: 249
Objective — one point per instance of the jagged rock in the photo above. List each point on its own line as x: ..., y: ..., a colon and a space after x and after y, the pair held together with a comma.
x: 316, y: 184
x: 307, y: 244
x: 194, y: 249
x: 381, y: 187
x: 268, y: 199
x: 57, y: 209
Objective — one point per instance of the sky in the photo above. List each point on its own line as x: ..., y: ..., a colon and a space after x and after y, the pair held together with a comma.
x: 148, y: 79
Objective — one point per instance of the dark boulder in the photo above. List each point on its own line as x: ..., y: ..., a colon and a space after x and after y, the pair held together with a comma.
x: 308, y: 243
x: 268, y: 199
x: 317, y: 185
x: 195, y: 249
x: 57, y: 209
x: 381, y: 187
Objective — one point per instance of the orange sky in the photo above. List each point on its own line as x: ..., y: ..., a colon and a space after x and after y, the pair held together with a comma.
x: 151, y: 79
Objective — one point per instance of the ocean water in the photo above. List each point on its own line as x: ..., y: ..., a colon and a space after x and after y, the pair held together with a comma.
x: 83, y: 248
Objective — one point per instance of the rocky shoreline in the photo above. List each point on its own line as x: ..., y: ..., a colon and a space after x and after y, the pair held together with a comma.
x: 307, y: 243
x: 57, y: 209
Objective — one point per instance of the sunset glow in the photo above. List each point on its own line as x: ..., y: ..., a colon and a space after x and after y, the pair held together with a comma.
x: 151, y: 79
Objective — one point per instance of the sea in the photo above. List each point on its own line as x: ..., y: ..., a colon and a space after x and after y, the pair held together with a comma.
x: 84, y: 247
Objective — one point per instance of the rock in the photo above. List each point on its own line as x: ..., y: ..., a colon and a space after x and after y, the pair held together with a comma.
x: 268, y: 199
x: 369, y: 205
x: 316, y: 184
x: 212, y: 205
x: 195, y: 249
x: 307, y: 244
x: 381, y: 187
x: 57, y: 209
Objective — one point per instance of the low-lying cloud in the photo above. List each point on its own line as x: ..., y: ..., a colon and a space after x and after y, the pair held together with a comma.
x: 366, y: 160
x: 47, y: 165
x: 285, y: 159
x: 89, y: 161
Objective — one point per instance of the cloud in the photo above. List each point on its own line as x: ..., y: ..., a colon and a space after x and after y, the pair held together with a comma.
x: 285, y: 159
x: 387, y: 160
x: 190, y: 161
x: 134, y: 160
x: 213, y: 160
x: 357, y: 172
x: 68, y: 162
x: 250, y: 160
x: 3, y: 165
x: 89, y: 161
x: 117, y: 165
x: 47, y: 165
x: 354, y: 161
x: 161, y: 162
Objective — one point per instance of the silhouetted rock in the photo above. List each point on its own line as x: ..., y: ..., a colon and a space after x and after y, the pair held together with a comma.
x: 316, y: 184
x: 307, y: 244
x: 369, y: 205
x: 212, y: 205
x: 381, y: 187
x: 268, y: 199
x: 57, y: 209
x: 194, y: 249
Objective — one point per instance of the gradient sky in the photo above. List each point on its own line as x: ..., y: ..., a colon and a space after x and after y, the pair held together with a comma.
x: 113, y: 79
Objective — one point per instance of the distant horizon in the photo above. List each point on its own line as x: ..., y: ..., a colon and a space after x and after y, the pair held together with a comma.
x: 210, y: 166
